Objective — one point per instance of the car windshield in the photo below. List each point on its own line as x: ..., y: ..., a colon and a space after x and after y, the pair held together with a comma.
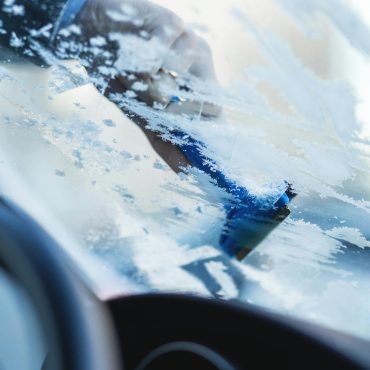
x: 287, y: 118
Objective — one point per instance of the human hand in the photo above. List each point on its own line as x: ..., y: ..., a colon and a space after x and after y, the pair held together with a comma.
x: 151, y: 45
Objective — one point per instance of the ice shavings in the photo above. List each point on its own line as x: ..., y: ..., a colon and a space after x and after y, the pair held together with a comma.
x: 305, y: 244
x: 291, y: 264
x: 282, y: 297
x: 325, y: 306
x: 350, y: 235
x: 65, y: 79
x: 128, y: 13
x: 137, y: 54
x: 12, y: 7
x: 15, y: 41
x: 306, y: 165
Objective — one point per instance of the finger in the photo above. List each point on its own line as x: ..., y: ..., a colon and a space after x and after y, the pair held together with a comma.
x: 163, y: 29
x: 182, y: 54
x: 163, y: 24
x: 203, y: 66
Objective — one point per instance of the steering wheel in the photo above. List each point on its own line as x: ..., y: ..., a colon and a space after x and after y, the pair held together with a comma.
x: 66, y: 310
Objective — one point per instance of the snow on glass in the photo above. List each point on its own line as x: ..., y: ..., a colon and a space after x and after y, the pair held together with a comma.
x: 282, y: 121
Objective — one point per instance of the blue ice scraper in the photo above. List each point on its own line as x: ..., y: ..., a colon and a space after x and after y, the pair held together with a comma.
x: 249, y: 218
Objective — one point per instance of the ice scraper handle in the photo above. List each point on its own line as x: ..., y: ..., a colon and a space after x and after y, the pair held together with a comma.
x: 249, y: 218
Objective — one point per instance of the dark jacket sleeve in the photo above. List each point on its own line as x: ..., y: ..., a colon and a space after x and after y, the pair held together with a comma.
x: 27, y: 21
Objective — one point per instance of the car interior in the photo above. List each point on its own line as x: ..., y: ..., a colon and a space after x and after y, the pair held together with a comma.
x: 112, y: 260
x: 152, y: 331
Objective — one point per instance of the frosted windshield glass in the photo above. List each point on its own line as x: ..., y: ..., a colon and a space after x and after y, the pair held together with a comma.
x: 145, y: 167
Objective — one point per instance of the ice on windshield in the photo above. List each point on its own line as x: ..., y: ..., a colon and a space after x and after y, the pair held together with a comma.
x: 292, y: 86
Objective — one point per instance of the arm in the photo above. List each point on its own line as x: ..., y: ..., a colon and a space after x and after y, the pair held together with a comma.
x: 40, y: 21
x: 26, y: 20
